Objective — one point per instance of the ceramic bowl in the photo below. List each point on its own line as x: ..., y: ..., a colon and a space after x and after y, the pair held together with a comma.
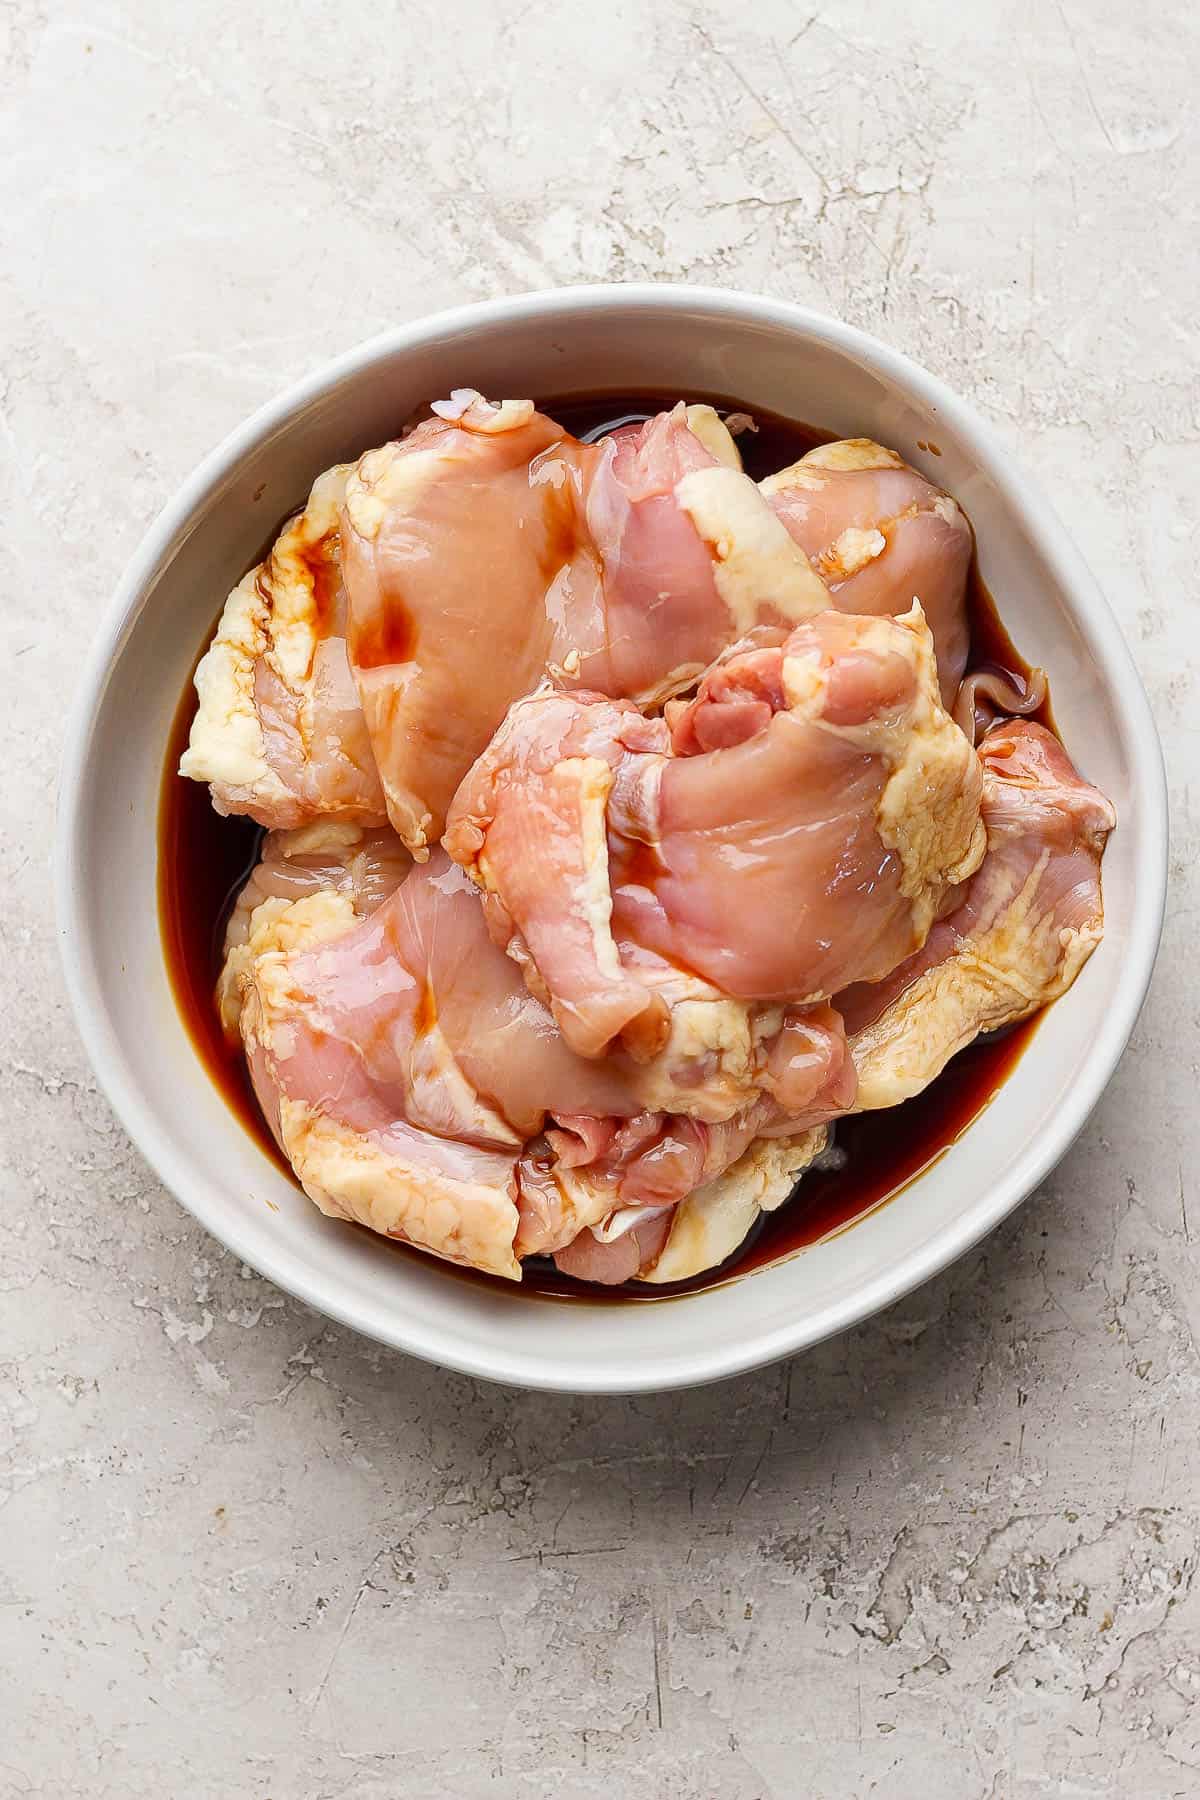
x: 677, y: 339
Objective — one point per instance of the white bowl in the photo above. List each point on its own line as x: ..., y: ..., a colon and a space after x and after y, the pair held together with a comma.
x: 674, y: 339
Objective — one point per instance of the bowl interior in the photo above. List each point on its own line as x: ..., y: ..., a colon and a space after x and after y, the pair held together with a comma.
x: 764, y: 355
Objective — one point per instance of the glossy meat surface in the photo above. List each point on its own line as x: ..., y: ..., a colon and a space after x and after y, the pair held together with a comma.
x: 411, y: 1023
x: 881, y: 536
x: 366, y: 866
x: 490, y: 550
x: 279, y: 734
x: 1025, y: 925
x: 719, y: 866
x: 452, y: 537
x: 814, y: 843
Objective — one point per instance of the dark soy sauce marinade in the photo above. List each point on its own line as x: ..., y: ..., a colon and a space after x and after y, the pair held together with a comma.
x: 203, y: 860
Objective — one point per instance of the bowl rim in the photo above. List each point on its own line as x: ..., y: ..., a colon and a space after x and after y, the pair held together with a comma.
x: 993, y: 1202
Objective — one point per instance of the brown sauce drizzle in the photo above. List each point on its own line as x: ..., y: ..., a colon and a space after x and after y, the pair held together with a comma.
x: 389, y: 638
x: 203, y: 860
x: 562, y: 530
x: 320, y: 560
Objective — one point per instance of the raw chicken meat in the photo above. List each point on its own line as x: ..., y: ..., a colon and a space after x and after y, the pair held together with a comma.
x: 348, y: 1062
x: 365, y: 866
x: 451, y: 539
x: 625, y: 566
x: 710, y: 1224
x: 881, y: 536
x: 610, y: 1176
x: 279, y: 733
x: 669, y: 940
x: 378, y: 1042
x: 610, y: 1257
x: 797, y: 826
x: 690, y: 556
x: 1027, y: 922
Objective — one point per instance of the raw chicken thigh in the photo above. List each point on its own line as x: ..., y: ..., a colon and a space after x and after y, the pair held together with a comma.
x: 279, y: 733
x: 690, y: 558
x: 881, y: 536
x: 799, y: 828
x: 365, y: 866
x: 1026, y: 924
x: 451, y: 538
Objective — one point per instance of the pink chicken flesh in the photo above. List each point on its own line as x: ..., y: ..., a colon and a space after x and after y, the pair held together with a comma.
x: 490, y: 549
x: 1023, y: 927
x: 365, y: 866
x: 414, y: 1039
x: 360, y: 670
x: 799, y: 826
x: 881, y: 536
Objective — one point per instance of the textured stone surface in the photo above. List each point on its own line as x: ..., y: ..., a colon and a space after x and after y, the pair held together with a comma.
x: 952, y: 1554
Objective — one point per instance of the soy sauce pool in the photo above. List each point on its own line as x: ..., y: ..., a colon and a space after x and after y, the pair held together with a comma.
x: 203, y: 860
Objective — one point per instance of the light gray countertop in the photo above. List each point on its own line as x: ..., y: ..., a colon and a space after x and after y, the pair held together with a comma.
x: 952, y: 1554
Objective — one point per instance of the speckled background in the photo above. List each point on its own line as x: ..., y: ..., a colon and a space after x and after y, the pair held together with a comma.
x: 952, y: 1554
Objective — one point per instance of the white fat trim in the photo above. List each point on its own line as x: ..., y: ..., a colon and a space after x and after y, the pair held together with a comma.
x: 595, y: 779
x: 391, y: 477
x: 850, y: 454
x: 706, y: 424
x: 468, y: 408
x: 276, y: 928
x: 720, y: 1031
x: 571, y: 663
x: 804, y: 682
x: 619, y: 1223
x: 302, y: 924
x: 998, y: 976
x: 321, y: 834
x: 850, y: 552
x: 756, y: 563
x: 271, y: 614
x: 935, y: 778
x: 226, y: 745
x: 709, y: 1225
x: 352, y: 1176
x: 946, y: 1008
x: 290, y: 583
x: 795, y: 476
